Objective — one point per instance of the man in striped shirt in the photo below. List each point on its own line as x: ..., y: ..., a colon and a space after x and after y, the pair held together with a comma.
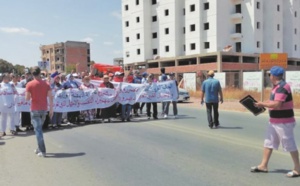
x: 281, y: 124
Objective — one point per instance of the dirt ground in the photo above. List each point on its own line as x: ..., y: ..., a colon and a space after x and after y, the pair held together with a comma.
x: 233, y: 105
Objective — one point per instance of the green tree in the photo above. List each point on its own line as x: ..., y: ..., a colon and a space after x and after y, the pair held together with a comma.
x: 19, y: 69
x: 70, y: 68
x: 5, y: 66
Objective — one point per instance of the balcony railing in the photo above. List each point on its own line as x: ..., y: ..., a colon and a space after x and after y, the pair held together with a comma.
x: 236, y: 36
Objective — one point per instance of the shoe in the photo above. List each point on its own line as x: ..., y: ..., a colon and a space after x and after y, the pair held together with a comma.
x: 41, y: 154
x: 2, y: 134
x: 148, y: 117
x: 292, y: 174
x: 165, y: 116
x: 210, y: 126
x: 13, y: 132
x: 256, y: 169
x: 123, y: 119
x: 109, y: 120
x: 141, y: 111
x: 18, y: 129
x: 155, y: 118
x: 175, y: 117
x: 217, y: 126
x: 36, y: 151
x: 128, y: 119
x: 55, y: 126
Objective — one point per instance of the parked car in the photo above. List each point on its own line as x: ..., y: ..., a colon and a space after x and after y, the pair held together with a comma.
x: 184, y: 95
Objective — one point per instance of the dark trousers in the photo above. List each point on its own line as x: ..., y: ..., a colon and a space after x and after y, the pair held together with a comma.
x: 215, y: 108
x: 142, y: 106
x: 154, y: 110
x: 73, y: 116
x: 136, y: 107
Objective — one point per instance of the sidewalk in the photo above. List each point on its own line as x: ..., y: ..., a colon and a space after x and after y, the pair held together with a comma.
x: 233, y: 105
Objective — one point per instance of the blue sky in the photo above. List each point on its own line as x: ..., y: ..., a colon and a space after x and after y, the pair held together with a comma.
x: 27, y: 24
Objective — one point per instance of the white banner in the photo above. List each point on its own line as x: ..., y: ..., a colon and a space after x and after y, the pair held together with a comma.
x: 189, y: 81
x: 221, y: 76
x: 252, y: 81
x: 293, y: 79
x: 77, y: 100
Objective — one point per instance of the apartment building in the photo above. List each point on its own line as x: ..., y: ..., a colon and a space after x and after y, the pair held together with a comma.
x: 67, y: 55
x: 198, y: 35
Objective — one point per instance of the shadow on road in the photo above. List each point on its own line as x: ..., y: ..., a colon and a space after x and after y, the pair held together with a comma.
x: 2, y: 143
x: 64, y: 155
x: 222, y: 127
x: 282, y: 171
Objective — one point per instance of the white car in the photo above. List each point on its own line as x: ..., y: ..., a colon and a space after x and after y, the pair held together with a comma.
x: 184, y: 95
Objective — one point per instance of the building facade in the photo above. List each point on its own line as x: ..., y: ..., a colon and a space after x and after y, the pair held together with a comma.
x: 66, y: 56
x: 200, y: 35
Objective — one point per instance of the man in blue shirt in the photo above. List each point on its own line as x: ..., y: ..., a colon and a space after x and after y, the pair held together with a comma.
x: 211, y: 88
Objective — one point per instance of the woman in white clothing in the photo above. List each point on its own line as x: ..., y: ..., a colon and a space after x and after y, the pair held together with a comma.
x: 8, y: 106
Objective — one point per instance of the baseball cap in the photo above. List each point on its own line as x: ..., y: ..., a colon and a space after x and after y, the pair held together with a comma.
x: 277, y: 71
x: 172, y: 74
x: 144, y: 74
x: 211, y: 73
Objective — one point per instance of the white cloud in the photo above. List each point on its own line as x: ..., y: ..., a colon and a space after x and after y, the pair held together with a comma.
x: 20, y: 30
x: 116, y: 14
x: 33, y: 43
x: 108, y: 43
x: 118, y: 52
x: 88, y: 39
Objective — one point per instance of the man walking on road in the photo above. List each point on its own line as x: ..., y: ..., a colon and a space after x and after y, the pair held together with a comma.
x: 281, y: 123
x: 211, y: 88
x: 38, y: 91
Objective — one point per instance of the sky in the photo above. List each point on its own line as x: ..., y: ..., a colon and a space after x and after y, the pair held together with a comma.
x: 27, y: 24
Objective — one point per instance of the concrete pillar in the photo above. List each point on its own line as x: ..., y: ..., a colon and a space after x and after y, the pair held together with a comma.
x: 198, y: 60
x: 176, y: 62
x: 241, y: 79
x: 219, y: 62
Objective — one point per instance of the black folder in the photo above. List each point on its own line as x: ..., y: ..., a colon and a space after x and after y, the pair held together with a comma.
x: 248, y: 102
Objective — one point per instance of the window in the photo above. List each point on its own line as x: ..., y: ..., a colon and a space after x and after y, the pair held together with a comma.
x: 127, y: 54
x: 278, y: 45
x: 193, y: 27
x: 57, y: 59
x: 278, y: 8
x: 154, y: 2
x: 238, y: 8
x: 137, y: 36
x: 238, y: 47
x: 257, y: 25
x: 206, y: 45
x: 193, y: 46
x: 206, y: 6
x: 278, y: 27
x: 154, y: 18
x: 88, y: 51
x: 295, y: 47
x: 127, y: 39
x: 138, y: 51
x: 166, y: 31
x: 206, y: 26
x: 258, y: 5
x: 258, y: 44
x: 166, y: 12
x: 184, y: 48
x: 238, y: 28
x: 154, y: 51
x: 184, y: 11
x: 167, y: 48
x: 295, y: 14
x: 137, y: 19
x: 126, y: 7
x: 127, y: 23
x: 154, y: 35
x: 192, y: 8
x: 295, y: 30
x: 137, y: 2
x: 183, y: 30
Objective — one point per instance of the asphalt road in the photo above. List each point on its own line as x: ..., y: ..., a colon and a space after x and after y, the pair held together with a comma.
x: 172, y: 152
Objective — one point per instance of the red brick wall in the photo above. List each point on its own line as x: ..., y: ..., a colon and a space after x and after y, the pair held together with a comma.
x: 239, y: 66
x: 185, y: 68
x: 76, y: 55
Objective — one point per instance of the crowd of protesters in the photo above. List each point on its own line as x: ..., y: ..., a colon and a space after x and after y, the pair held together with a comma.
x: 60, y: 81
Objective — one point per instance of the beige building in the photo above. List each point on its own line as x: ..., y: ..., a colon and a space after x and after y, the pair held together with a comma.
x: 67, y: 56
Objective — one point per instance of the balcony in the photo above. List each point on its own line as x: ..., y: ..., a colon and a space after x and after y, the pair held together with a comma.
x: 236, y: 17
x: 236, y: 36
